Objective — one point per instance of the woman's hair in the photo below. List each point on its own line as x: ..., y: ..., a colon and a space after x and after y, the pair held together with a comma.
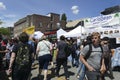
x: 24, y: 37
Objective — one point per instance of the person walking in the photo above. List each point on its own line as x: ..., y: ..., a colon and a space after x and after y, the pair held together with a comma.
x: 3, y: 75
x: 43, y: 51
x: 21, y: 59
x: 93, y: 63
x: 107, y: 55
x: 9, y: 48
x: 61, y: 58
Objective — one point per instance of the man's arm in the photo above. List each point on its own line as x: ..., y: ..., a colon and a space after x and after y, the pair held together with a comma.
x: 5, y: 51
x: 103, y: 68
x: 57, y: 52
x: 90, y: 68
x: 37, y: 49
x: 11, y: 62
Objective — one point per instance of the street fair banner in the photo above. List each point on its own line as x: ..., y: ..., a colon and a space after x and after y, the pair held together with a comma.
x: 103, y: 20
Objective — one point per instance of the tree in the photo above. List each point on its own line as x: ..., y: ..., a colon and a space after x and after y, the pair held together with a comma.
x: 4, y: 31
x: 63, y: 17
x: 1, y: 22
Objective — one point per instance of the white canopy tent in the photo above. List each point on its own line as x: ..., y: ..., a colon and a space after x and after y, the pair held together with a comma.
x: 60, y: 32
x: 37, y: 34
x: 77, y: 32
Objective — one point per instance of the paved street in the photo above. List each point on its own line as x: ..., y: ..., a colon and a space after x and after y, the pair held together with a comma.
x: 72, y: 72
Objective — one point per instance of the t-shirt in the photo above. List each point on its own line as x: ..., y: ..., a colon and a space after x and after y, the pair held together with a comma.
x: 95, y: 56
x: 8, y: 54
x: 44, y: 46
x: 61, y: 47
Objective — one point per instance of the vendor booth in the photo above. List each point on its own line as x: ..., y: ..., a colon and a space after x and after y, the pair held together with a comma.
x: 60, y: 32
x: 77, y: 32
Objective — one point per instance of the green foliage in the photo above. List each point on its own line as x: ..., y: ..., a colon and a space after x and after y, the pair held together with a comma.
x: 1, y: 22
x: 4, y: 31
x: 63, y: 17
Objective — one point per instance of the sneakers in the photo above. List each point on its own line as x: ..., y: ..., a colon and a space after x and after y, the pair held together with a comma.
x: 110, y: 75
x: 78, y: 76
x: 67, y: 78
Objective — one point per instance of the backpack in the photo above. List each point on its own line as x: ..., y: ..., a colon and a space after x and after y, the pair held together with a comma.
x: 23, y: 57
x: 90, y: 50
x: 82, y: 66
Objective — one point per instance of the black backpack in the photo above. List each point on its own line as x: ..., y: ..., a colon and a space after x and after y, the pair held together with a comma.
x: 23, y: 57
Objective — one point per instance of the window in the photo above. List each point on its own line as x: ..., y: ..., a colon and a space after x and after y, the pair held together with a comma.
x: 52, y: 17
x: 51, y: 25
x: 48, y: 26
x: 40, y: 24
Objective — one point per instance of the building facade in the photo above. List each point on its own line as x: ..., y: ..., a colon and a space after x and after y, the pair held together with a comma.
x: 46, y: 24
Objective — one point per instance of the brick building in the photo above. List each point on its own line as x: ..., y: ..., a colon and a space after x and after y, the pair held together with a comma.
x: 46, y: 24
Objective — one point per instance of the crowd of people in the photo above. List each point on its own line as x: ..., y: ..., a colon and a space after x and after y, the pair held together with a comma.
x: 91, y: 56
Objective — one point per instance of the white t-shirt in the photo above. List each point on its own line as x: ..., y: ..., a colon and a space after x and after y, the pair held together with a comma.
x: 44, y: 47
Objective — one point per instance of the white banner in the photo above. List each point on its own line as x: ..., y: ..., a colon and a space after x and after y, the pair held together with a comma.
x: 104, y: 20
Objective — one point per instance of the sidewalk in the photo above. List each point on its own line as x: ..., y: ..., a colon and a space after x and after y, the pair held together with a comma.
x: 51, y: 74
x: 72, y: 72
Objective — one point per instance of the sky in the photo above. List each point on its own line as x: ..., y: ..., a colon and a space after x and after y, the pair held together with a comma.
x: 13, y: 10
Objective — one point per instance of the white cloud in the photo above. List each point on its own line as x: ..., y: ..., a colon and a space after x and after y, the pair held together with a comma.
x: 10, y: 16
x: 2, y: 6
x: 9, y: 23
x: 8, y: 20
x: 75, y: 9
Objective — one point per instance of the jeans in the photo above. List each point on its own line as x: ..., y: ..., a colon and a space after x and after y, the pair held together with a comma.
x: 81, y: 71
x: 93, y: 75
